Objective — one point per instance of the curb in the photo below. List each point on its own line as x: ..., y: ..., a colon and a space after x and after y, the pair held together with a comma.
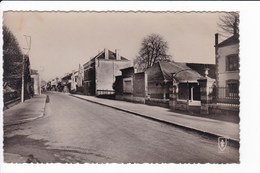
x: 28, y: 119
x: 233, y: 141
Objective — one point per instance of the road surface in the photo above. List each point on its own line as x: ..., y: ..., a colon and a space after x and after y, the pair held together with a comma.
x: 77, y: 131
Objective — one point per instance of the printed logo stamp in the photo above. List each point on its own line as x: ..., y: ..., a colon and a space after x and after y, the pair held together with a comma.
x: 222, y: 144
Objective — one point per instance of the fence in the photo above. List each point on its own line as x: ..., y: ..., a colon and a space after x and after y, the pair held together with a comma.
x: 10, y: 96
x: 105, y: 92
x: 10, y: 99
x: 225, y: 95
x: 109, y: 94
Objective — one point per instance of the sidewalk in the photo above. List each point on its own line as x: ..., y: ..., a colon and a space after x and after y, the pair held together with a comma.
x: 29, y: 110
x: 205, y: 125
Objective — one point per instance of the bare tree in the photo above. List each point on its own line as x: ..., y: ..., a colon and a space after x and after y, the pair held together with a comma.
x: 228, y: 23
x: 153, y: 49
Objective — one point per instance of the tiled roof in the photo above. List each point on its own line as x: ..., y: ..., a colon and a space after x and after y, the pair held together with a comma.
x: 230, y: 41
x: 200, y: 68
x: 165, y: 71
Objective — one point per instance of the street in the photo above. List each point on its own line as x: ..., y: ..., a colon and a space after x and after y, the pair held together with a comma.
x: 78, y: 131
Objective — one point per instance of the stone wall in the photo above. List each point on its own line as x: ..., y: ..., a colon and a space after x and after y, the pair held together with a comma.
x: 140, y: 85
x: 157, y: 102
x: 130, y: 98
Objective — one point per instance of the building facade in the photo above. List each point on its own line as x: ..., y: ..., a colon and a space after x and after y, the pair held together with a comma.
x: 36, y: 84
x: 227, y: 71
x: 74, y: 81
x: 100, y: 71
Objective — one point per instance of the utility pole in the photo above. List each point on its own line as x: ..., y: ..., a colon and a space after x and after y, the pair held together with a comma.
x: 28, y: 48
x: 22, y: 92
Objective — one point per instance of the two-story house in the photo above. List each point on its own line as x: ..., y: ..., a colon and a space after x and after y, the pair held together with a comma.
x: 100, y: 71
x: 227, y: 68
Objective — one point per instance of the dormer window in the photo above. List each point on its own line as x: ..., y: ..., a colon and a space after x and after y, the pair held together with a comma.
x: 232, y: 62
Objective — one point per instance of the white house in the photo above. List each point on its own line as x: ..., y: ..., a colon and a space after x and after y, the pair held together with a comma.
x: 227, y: 67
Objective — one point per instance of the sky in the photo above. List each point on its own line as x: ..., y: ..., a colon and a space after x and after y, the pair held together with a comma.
x: 60, y: 41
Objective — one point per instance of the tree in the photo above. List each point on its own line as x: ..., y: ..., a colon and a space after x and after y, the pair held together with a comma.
x: 12, y: 57
x: 153, y: 49
x: 228, y: 22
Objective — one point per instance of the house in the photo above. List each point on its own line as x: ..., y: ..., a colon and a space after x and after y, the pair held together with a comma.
x: 74, y: 80
x: 227, y: 69
x: 163, y: 77
x: 35, y: 80
x: 54, y: 84
x: 131, y: 86
x: 100, y: 72
x: 155, y: 85
x: 77, y: 80
x: 66, y: 83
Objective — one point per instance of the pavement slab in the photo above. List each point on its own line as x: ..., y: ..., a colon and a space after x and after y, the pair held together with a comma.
x: 28, y: 110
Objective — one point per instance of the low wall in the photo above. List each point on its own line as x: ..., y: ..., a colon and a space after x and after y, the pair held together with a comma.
x: 223, y: 110
x: 157, y: 102
x: 130, y: 98
x: 181, y: 105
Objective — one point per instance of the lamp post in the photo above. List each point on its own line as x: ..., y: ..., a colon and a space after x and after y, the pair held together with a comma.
x: 28, y: 48
x: 22, y: 91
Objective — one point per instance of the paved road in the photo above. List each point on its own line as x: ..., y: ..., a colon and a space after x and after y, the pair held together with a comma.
x: 75, y: 130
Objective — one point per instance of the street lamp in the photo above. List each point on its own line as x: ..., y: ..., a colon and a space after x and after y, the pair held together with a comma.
x: 28, y: 48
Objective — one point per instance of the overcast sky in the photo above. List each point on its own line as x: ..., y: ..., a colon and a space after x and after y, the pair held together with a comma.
x: 63, y: 40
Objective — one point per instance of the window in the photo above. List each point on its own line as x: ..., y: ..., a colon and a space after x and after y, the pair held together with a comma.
x: 232, y: 62
x: 232, y: 88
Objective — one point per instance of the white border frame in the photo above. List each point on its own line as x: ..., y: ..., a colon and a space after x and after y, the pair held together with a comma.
x: 249, y: 41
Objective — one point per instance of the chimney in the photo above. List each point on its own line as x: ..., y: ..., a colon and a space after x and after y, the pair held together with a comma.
x: 106, y: 53
x: 235, y: 26
x: 206, y: 72
x: 118, y: 57
x: 216, y: 39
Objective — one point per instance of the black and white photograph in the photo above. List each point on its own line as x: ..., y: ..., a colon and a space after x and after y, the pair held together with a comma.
x: 121, y: 87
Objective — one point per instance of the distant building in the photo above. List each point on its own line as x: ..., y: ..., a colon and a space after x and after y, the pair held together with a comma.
x: 36, y: 84
x: 66, y: 83
x: 77, y: 80
x: 74, y: 81
x: 54, y: 84
x: 100, y: 71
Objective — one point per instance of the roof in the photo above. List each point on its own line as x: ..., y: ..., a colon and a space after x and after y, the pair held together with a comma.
x: 101, y: 55
x: 111, y: 55
x: 200, y: 68
x: 234, y: 39
x: 127, y: 68
x: 67, y: 76
x: 34, y: 72
x: 166, y: 70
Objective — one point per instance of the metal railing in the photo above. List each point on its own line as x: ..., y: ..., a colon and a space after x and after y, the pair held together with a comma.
x: 225, y: 95
x: 105, y: 92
